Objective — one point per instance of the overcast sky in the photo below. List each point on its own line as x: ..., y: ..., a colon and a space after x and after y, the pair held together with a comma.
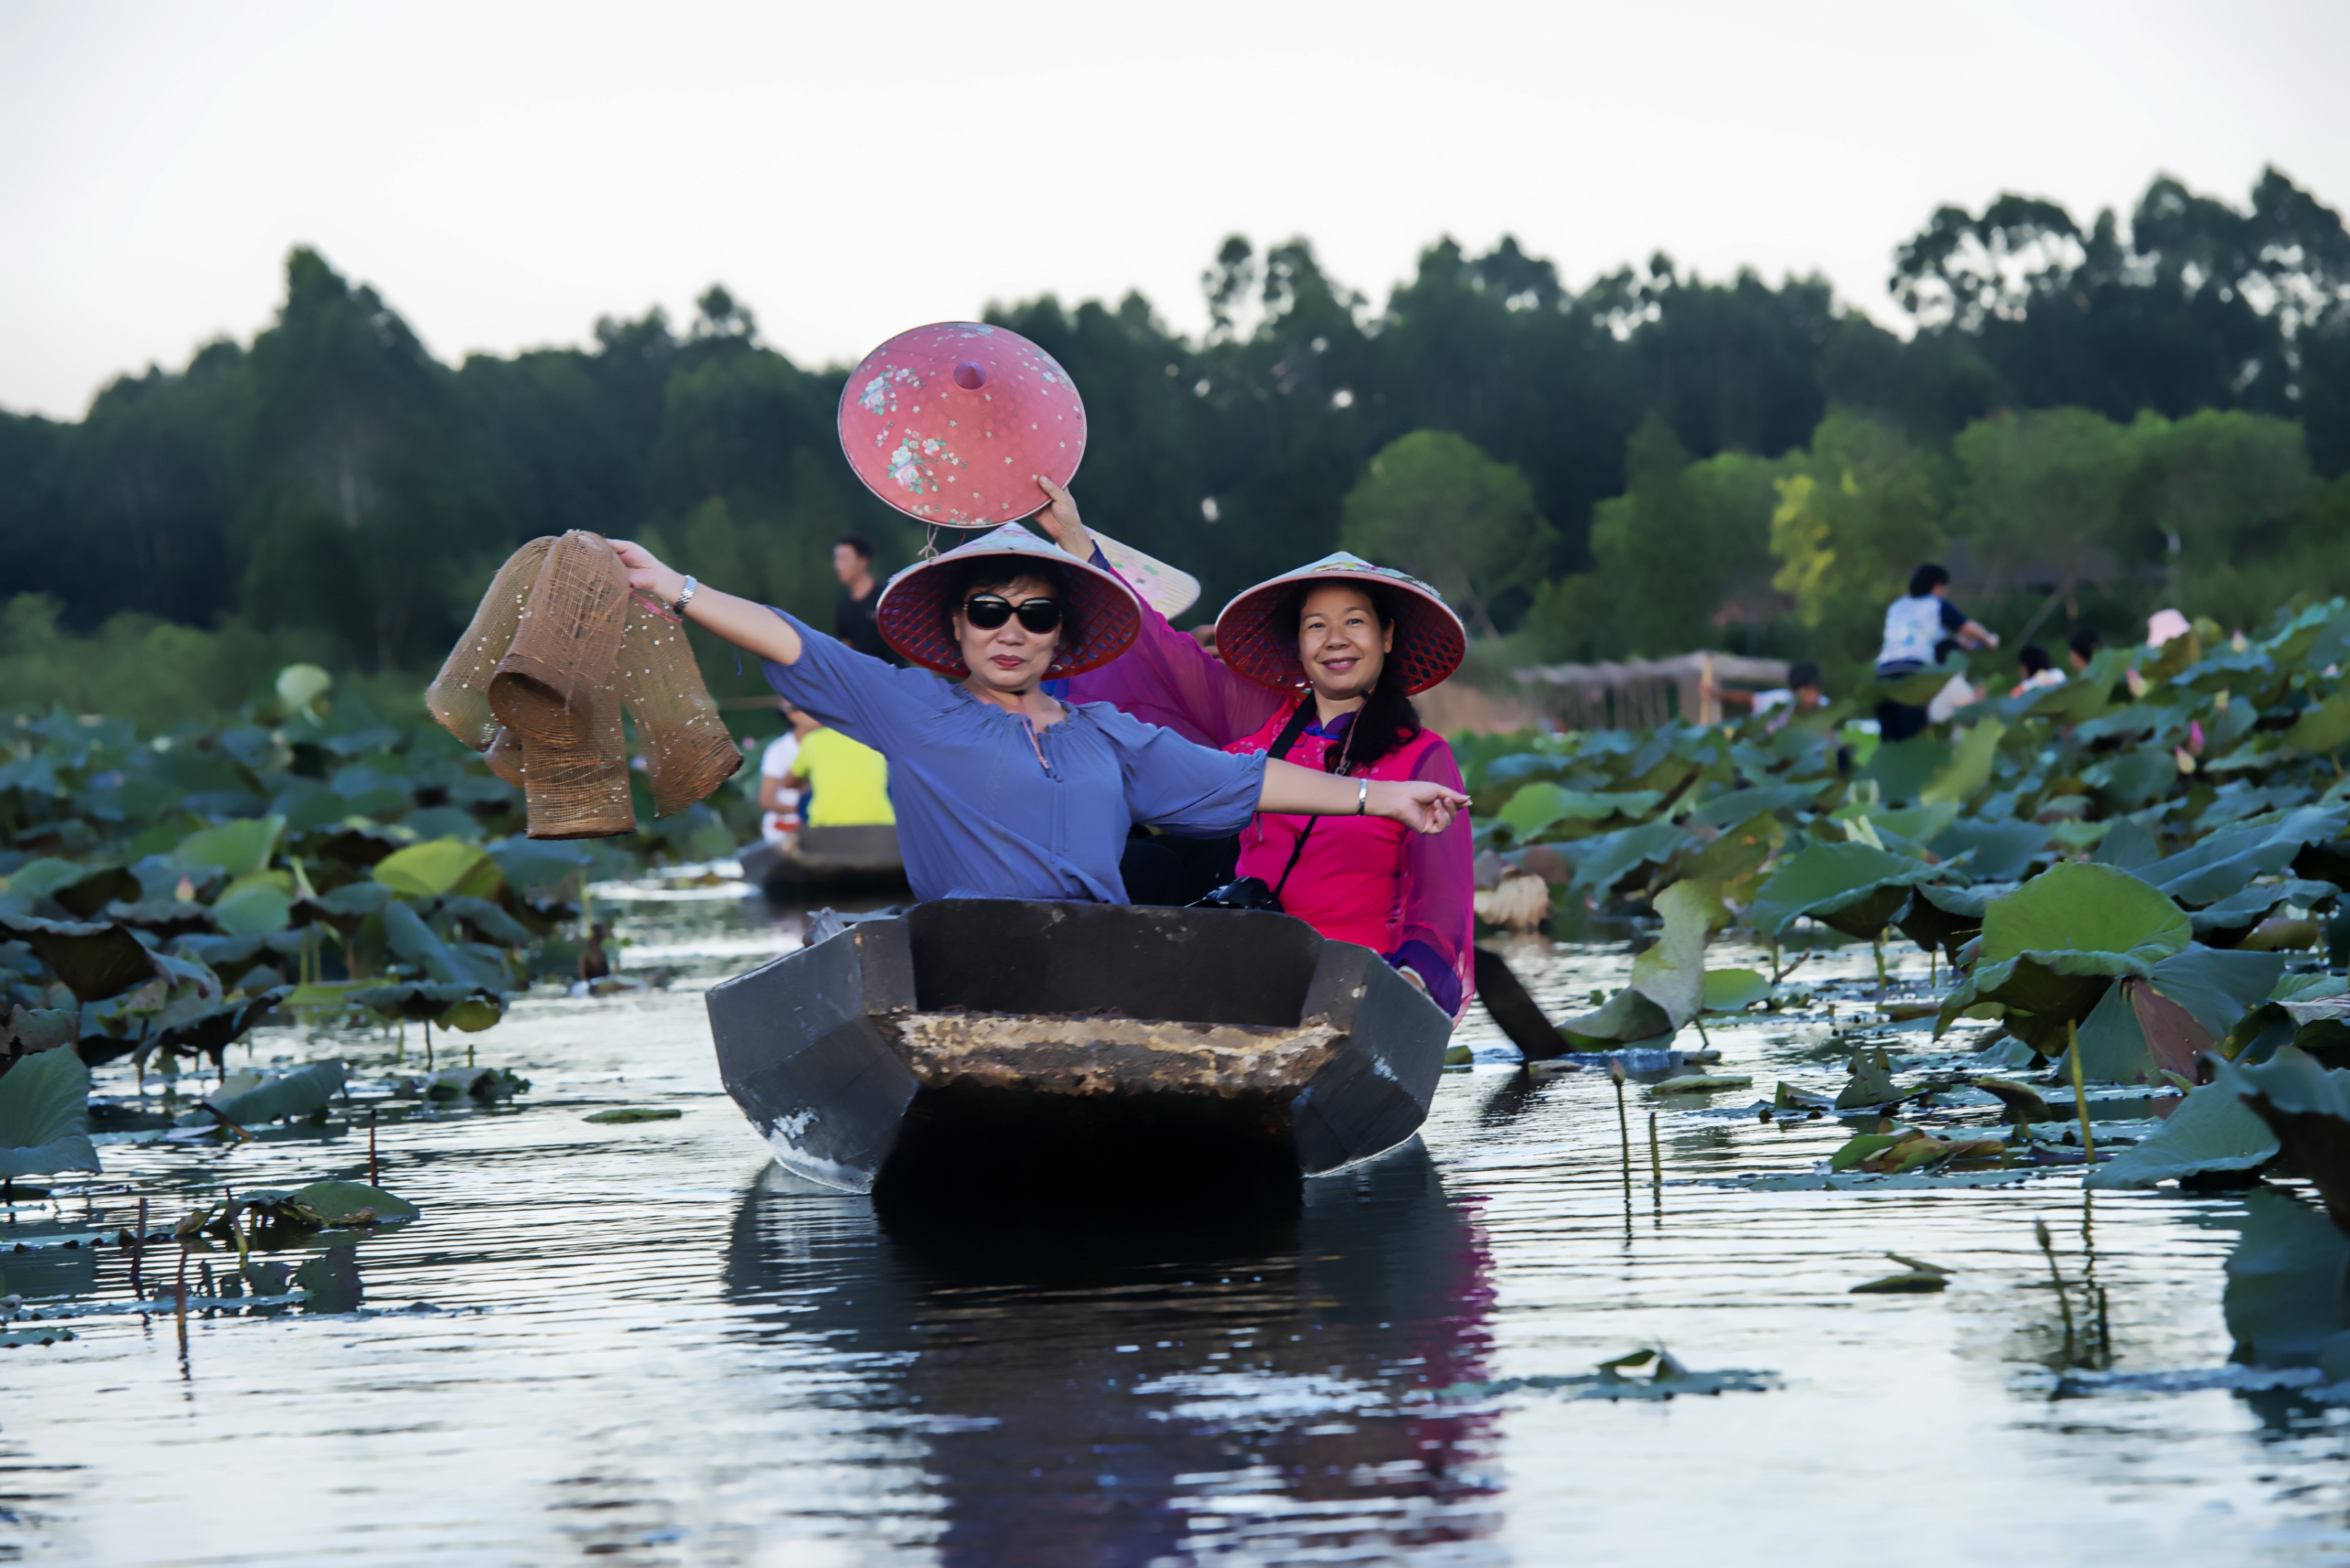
x: 505, y: 173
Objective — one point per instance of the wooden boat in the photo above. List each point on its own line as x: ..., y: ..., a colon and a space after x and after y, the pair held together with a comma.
x: 1077, y: 1049
x: 827, y: 859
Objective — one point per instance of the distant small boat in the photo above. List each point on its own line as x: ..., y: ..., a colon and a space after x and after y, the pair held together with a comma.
x: 827, y: 859
x: 985, y: 1046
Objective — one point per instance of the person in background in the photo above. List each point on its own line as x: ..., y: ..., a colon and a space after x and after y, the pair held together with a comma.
x: 2081, y: 646
x: 848, y: 782
x: 2039, y: 671
x: 594, y: 962
x: 852, y: 619
x: 1922, y: 629
x: 779, y: 801
x: 1805, y: 690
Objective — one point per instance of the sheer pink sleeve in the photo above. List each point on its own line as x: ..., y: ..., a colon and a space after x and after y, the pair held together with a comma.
x: 1440, y: 910
x: 1168, y: 680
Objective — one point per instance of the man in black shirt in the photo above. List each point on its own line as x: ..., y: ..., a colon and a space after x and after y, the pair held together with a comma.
x: 852, y: 619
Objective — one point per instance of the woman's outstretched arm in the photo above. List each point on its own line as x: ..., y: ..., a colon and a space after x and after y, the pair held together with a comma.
x: 752, y: 628
x: 1166, y: 678
x: 1421, y: 804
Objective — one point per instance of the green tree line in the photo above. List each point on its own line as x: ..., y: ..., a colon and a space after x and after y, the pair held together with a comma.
x: 1631, y: 467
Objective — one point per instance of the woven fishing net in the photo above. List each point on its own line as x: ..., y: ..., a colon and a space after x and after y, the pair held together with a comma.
x: 539, y: 680
x: 687, y: 750
x: 554, y: 684
x: 460, y: 695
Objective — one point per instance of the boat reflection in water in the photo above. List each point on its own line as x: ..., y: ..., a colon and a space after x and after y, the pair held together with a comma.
x: 1152, y: 1387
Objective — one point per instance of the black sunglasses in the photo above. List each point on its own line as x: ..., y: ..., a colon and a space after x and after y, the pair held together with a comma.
x: 988, y: 611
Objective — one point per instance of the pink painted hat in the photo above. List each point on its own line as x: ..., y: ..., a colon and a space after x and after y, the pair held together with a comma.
x: 912, y: 611
x: 1429, y: 640
x: 954, y: 423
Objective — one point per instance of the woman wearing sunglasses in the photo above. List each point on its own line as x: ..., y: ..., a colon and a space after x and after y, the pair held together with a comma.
x: 1320, y: 665
x: 1001, y: 791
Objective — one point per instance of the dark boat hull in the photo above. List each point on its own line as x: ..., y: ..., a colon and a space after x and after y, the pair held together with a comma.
x: 827, y: 859
x: 1077, y: 1047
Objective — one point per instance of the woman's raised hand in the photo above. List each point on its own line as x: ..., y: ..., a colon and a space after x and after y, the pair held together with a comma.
x: 1060, y: 521
x: 646, y: 572
x: 1419, y: 804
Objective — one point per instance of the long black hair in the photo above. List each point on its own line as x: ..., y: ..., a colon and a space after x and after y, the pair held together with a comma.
x: 1386, y: 719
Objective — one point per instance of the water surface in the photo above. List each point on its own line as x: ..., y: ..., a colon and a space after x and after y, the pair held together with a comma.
x: 644, y: 1344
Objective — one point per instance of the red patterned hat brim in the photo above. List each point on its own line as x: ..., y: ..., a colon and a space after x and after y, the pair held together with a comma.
x: 1430, y: 638
x: 912, y: 618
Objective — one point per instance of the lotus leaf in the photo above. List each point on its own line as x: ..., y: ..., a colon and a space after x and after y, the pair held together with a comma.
x: 251, y: 908
x: 2224, y: 863
x: 215, y: 1026
x: 2021, y: 1101
x: 249, y: 1100
x: 1629, y: 1017
x: 529, y: 864
x: 2218, y: 986
x: 624, y: 1115
x: 40, y: 1028
x: 1916, y: 1282
x: 2308, y: 1108
x: 1968, y: 770
x: 2323, y: 728
x: 415, y: 943
x: 1745, y: 805
x: 471, y: 1015
x: 1735, y: 990
x: 1672, y: 972
x: 82, y: 890
x: 1851, y: 887
x: 45, y: 1115
x: 238, y: 848
x: 1947, y: 917
x: 484, y: 1084
x: 2210, y: 1130
x: 1702, y: 1083
x: 1871, y: 1083
x: 2242, y: 912
x: 443, y: 866
x: 2283, y: 1297
x: 1738, y: 857
x: 1601, y: 863
x: 325, y: 1203
x: 45, y: 875
x: 2105, y: 917
x: 423, y: 1001
x: 95, y: 960
x: 1902, y: 768
x: 487, y: 918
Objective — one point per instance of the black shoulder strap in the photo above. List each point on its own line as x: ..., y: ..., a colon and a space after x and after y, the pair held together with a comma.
x: 1288, y: 738
x: 1293, y: 730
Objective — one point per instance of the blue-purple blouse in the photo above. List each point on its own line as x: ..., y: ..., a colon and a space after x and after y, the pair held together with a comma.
x: 989, y: 807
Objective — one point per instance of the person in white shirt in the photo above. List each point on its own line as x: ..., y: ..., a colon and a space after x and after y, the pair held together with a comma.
x: 2039, y: 671
x: 779, y: 803
x: 1921, y: 630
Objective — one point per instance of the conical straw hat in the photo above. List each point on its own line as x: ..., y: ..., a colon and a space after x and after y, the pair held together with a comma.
x: 1429, y: 642
x: 954, y: 423
x: 913, y: 614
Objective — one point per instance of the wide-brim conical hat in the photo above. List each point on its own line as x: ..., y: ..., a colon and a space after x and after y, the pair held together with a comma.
x: 1429, y: 640
x: 913, y: 621
x: 954, y: 423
